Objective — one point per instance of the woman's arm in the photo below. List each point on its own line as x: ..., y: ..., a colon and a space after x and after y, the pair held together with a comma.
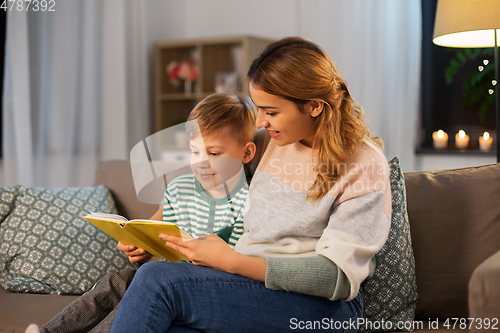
x: 211, y: 251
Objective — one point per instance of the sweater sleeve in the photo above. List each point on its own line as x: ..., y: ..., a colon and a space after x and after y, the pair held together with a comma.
x: 317, y: 276
x: 357, y: 230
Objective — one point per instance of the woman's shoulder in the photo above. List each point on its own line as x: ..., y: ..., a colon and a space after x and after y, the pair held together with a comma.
x: 368, y: 166
x: 365, y: 172
x: 368, y: 153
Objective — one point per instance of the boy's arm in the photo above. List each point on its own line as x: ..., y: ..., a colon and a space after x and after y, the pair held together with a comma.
x: 158, y: 216
x: 135, y: 254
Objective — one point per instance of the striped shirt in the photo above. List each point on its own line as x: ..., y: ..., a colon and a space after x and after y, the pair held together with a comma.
x: 188, y: 205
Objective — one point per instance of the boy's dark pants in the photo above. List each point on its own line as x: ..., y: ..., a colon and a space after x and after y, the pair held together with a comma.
x: 95, y: 310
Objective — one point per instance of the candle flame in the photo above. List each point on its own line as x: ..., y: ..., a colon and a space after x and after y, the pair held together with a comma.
x: 440, y: 134
x: 461, y: 134
x: 486, y: 135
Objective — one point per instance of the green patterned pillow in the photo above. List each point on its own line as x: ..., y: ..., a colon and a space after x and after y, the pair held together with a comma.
x: 47, y: 247
x: 7, y: 197
x: 391, y: 294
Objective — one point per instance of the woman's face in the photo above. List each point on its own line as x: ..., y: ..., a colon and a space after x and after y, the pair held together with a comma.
x: 281, y: 117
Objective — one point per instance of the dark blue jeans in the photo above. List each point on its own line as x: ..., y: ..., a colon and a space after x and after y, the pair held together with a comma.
x: 181, y: 297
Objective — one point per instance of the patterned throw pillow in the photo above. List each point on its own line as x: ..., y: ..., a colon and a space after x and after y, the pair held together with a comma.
x: 7, y: 198
x: 47, y: 247
x: 391, y: 294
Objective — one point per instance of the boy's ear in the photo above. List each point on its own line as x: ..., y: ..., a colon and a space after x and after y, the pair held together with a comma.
x: 250, y: 149
x: 316, y: 108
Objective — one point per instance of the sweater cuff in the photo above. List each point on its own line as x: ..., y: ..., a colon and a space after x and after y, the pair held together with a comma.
x: 317, y: 276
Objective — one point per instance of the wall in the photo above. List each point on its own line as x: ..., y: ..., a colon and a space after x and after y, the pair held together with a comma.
x: 271, y: 19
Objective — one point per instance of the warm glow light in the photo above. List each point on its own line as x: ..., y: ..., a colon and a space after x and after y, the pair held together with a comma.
x: 494, y: 82
x: 461, y: 140
x: 486, y: 62
x: 439, y: 139
x: 491, y: 91
x: 478, y: 38
x: 480, y: 68
x: 466, y: 23
x: 485, y: 142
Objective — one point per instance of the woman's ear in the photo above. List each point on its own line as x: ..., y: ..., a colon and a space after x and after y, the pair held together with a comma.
x: 250, y: 149
x: 316, y: 108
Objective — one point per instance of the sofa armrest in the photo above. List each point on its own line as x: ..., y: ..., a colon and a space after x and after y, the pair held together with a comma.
x: 484, y: 290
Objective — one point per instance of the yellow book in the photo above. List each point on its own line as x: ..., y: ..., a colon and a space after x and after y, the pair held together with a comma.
x: 140, y: 233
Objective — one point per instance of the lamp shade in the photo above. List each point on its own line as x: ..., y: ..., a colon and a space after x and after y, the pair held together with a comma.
x: 467, y: 23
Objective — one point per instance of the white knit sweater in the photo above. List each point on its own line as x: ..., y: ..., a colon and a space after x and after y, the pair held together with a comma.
x: 348, y: 226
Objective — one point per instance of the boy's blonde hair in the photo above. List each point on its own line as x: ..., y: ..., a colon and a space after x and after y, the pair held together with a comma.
x: 220, y: 110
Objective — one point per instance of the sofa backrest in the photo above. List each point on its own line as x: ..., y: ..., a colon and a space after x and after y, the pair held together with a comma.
x: 117, y: 176
x: 455, y: 225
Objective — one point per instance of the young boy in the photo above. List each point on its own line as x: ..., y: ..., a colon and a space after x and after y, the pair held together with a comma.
x: 208, y: 200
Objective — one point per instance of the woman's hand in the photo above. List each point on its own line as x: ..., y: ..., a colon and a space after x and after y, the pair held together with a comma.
x: 210, y: 250
x: 134, y: 254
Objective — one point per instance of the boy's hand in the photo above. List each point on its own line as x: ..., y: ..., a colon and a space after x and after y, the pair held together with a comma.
x: 210, y: 250
x: 134, y: 254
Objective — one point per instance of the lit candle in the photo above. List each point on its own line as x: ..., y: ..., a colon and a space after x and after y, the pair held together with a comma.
x: 440, y: 139
x: 461, y: 139
x: 485, y: 142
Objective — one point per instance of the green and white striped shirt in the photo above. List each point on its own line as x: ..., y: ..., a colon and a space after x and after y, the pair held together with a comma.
x: 188, y: 205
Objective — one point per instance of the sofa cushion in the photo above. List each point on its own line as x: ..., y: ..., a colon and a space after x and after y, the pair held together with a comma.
x: 47, y: 247
x: 391, y: 294
x: 455, y: 223
x: 7, y: 197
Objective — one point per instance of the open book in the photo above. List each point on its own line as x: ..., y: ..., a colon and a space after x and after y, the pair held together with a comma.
x: 140, y: 233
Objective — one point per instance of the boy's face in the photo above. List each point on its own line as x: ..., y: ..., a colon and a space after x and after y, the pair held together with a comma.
x: 216, y: 158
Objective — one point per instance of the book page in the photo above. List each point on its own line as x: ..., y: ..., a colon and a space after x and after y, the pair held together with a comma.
x: 105, y: 216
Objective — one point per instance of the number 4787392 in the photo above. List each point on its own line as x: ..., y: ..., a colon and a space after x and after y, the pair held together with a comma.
x: 26, y: 5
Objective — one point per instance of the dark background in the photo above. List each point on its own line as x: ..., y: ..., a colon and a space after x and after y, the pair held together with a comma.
x: 442, y: 105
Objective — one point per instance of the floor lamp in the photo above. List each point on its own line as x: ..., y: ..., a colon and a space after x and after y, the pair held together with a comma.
x: 471, y: 23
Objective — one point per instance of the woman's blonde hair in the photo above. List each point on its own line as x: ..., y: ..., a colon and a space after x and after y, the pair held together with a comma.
x: 237, y: 112
x: 300, y: 71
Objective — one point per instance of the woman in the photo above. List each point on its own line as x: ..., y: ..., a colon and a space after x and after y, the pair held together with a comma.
x: 318, y: 211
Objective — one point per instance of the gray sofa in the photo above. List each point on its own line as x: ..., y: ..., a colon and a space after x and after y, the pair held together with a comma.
x: 455, y: 228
